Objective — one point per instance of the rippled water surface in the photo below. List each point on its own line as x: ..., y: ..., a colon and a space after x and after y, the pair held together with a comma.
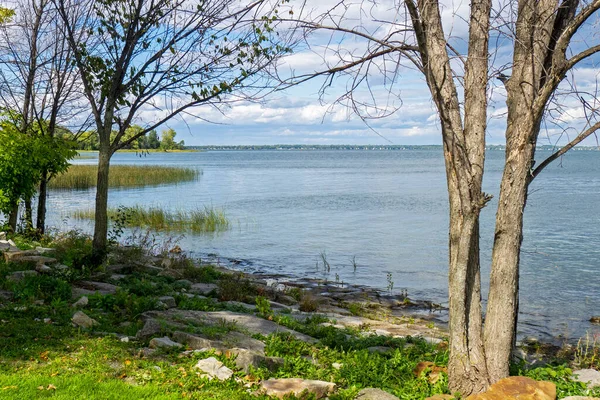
x: 388, y: 209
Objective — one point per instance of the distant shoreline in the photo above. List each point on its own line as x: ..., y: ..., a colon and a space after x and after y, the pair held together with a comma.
x: 186, y: 150
x: 390, y: 147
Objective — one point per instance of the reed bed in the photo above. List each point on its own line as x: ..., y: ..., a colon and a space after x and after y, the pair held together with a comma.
x: 80, y: 177
x: 207, y: 219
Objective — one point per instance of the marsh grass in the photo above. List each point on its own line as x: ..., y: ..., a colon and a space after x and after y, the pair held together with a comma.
x: 80, y: 177
x: 207, y: 219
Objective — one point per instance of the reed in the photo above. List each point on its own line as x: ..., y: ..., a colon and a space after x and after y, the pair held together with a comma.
x: 81, y: 177
x: 207, y: 219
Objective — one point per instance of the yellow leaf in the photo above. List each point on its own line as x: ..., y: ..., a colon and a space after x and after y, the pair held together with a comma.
x: 40, y: 388
x: 51, y: 387
x: 127, y: 362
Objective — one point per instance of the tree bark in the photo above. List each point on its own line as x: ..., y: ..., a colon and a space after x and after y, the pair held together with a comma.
x: 28, y: 215
x: 40, y: 222
x: 101, y: 210
x: 13, y: 217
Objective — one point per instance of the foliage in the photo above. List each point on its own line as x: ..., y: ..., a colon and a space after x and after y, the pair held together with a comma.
x: 236, y: 287
x: 167, y: 141
x: 203, y: 274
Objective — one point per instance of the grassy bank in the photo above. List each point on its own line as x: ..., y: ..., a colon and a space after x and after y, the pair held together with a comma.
x: 85, y: 176
x: 205, y: 219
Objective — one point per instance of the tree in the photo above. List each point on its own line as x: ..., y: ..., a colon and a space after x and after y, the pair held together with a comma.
x: 162, y: 56
x: 167, y: 141
x: 548, y: 41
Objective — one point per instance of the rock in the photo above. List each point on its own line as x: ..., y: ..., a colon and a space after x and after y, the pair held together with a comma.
x: 168, y: 301
x: 171, y: 273
x: 43, y: 269
x: 518, y: 388
x: 13, y: 244
x: 580, y: 398
x: 44, y: 250
x: 595, y: 319
x: 337, y: 365
x: 441, y: 397
x: 35, y: 259
x: 4, y: 245
x: 82, y: 320
x: 147, y: 352
x: 202, y: 288
x: 2, y: 235
x: 18, y: 276
x: 6, y: 295
x: 195, y: 342
x: 296, y: 386
x: 244, y: 359
x: 82, y: 302
x: 99, y: 287
x: 163, y: 342
x: 214, y: 368
x: 151, y: 328
x: 239, y: 340
x: 379, y: 349
x: 591, y: 377
x: 15, y: 256
x: 374, y: 394
x: 250, y: 307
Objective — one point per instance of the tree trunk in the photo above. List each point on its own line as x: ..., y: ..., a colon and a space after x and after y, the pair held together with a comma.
x: 13, y: 217
x: 101, y: 210
x: 28, y: 215
x: 40, y: 223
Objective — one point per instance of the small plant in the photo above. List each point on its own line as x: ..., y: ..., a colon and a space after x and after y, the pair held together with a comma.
x: 326, y: 265
x: 120, y: 221
x: 235, y: 287
x: 264, y: 307
x: 203, y: 274
x: 390, y: 282
x: 354, y: 264
x: 308, y: 303
x: 587, y: 353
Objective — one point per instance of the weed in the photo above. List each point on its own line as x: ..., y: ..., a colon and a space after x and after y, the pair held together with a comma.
x: 308, y: 303
x: 203, y: 274
x: 354, y: 264
x: 264, y: 307
x: 326, y: 265
x: 41, y: 287
x: 587, y: 353
x: 236, y: 287
x: 390, y: 282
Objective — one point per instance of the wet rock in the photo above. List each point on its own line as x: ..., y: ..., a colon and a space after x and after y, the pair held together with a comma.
x: 82, y: 302
x: 296, y: 386
x: 591, y: 377
x: 18, y: 276
x: 214, y: 368
x: 168, y: 301
x: 518, y: 388
x: 82, y: 320
x: 163, y: 342
x: 151, y: 328
x: 374, y: 394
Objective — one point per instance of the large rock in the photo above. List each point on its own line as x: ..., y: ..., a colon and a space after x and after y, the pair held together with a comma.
x: 15, y: 256
x: 82, y: 302
x: 2, y: 235
x: 441, y: 397
x: 99, y: 287
x: 82, y: 320
x: 214, y: 368
x: 18, y: 276
x: 163, y: 342
x: 296, y: 386
x: 239, y: 340
x: 202, y: 288
x: 591, y: 377
x: 518, y: 388
x: 151, y: 328
x: 580, y: 398
x: 196, y: 342
x: 244, y: 359
x: 374, y: 394
x: 168, y: 301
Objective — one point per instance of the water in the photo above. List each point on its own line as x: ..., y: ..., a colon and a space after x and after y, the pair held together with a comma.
x: 389, y: 210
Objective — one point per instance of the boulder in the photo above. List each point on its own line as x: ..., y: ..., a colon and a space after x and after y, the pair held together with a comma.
x: 195, y: 342
x: 239, y: 340
x: 591, y: 377
x: 518, y: 388
x: 441, y: 397
x: 35, y: 259
x: 99, y: 287
x: 15, y: 256
x: 82, y: 302
x: 43, y: 269
x: 580, y: 398
x: 163, y: 342
x: 82, y: 320
x: 151, y: 328
x: 171, y: 273
x: 2, y: 235
x: 296, y: 386
x: 168, y: 301
x: 374, y: 394
x: 202, y: 288
x: 214, y: 368
x: 244, y: 359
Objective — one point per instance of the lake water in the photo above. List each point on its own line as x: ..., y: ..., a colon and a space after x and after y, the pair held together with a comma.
x: 388, y: 209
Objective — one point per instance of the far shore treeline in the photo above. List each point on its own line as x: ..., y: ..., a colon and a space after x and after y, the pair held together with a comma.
x: 89, y: 140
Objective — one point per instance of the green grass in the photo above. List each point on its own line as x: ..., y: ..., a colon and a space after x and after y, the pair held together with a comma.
x: 84, y: 176
x: 206, y: 219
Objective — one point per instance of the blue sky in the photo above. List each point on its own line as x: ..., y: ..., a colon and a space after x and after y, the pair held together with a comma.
x: 302, y: 115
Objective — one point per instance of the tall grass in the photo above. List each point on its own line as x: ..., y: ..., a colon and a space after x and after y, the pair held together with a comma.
x: 84, y: 176
x: 205, y: 219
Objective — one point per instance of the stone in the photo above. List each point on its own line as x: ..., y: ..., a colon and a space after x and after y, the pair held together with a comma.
x: 595, y: 319
x: 15, y: 256
x: 441, y: 397
x: 195, y: 342
x: 99, y: 287
x: 43, y: 269
x: 244, y: 359
x: 168, y: 301
x: 4, y: 245
x: 151, y: 328
x: 379, y: 349
x: 296, y: 386
x: 82, y: 302
x: 337, y: 365
x: 147, y: 352
x: 44, y: 250
x: 239, y: 340
x: 82, y: 320
x: 214, y: 368
x: 518, y: 388
x: 2, y: 235
x: 171, y: 273
x: 591, y: 377
x: 163, y: 342
x: 202, y: 288
x: 580, y: 398
x: 13, y: 244
x: 18, y: 276
x: 374, y: 394
x: 35, y: 259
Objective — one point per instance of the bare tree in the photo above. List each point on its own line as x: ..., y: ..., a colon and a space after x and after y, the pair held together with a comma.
x: 545, y: 41
x: 162, y: 57
x: 38, y: 81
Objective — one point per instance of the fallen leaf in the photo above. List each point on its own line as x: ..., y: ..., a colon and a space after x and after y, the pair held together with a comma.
x: 51, y: 387
x: 127, y: 362
x: 40, y: 388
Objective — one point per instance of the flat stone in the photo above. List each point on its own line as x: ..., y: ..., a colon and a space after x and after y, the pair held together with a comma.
x: 43, y: 269
x: 168, y: 301
x: 244, y: 359
x: 239, y: 340
x: 296, y: 386
x: 2, y: 235
x: 195, y: 342
x: 163, y: 342
x: 100, y: 287
x: 171, y: 273
x: 202, y: 288
x: 591, y: 377
x: 14, y: 256
x: 580, y: 398
x: 379, y: 349
x: 82, y: 302
x: 518, y: 388
x: 38, y: 260
x: 214, y: 368
x: 374, y: 394
x: 18, y: 276
x: 441, y: 397
x: 44, y: 250
x: 151, y: 327
x: 82, y: 320
x: 250, y: 307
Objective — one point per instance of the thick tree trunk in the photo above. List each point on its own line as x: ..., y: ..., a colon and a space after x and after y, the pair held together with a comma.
x: 28, y: 215
x: 40, y: 222
x: 13, y: 217
x: 101, y: 209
